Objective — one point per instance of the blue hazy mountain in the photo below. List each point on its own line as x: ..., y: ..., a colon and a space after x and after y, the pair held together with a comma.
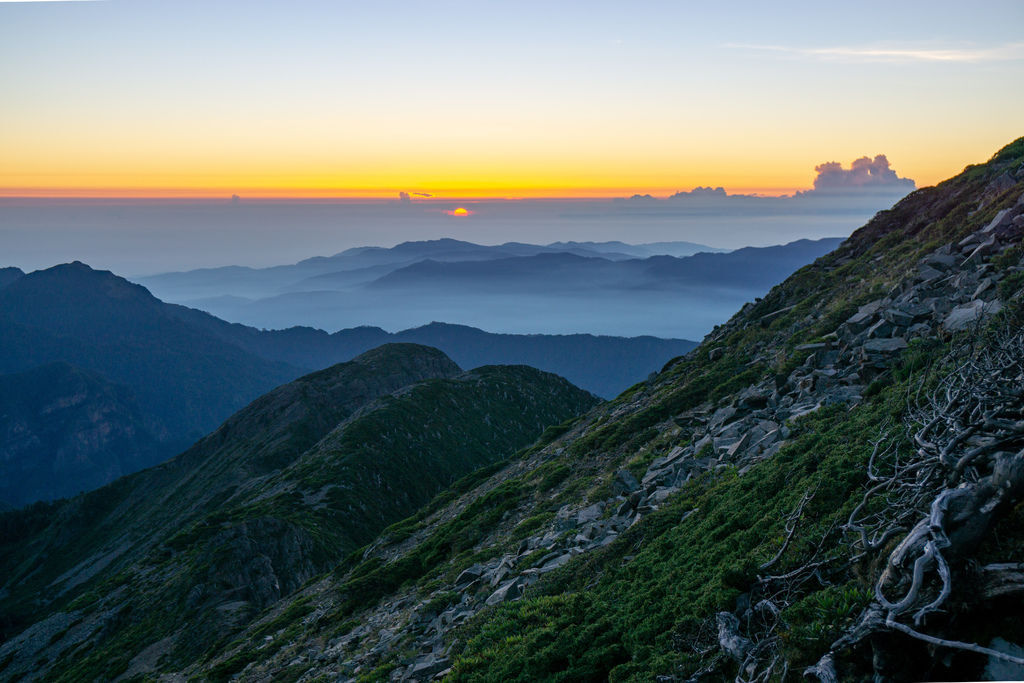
x: 747, y: 268
x: 607, y: 288
x: 361, y: 265
x: 9, y: 275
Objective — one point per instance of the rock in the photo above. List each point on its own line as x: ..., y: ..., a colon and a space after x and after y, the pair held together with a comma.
x: 881, y: 329
x: 426, y: 667
x: 940, y: 261
x: 564, y: 519
x: 811, y: 347
x: 555, y: 563
x: 1000, y: 669
x: 891, y: 345
x: 624, y: 483
x: 591, y: 513
x: 629, y: 504
x: 926, y: 274
x: 721, y: 417
x: 963, y: 317
x: 469, y: 575
x: 511, y: 590
x: 752, y: 398
x: 983, y: 286
x: 732, y: 450
x: 661, y: 495
x: 986, y: 248
x: 861, y: 320
x: 715, y: 354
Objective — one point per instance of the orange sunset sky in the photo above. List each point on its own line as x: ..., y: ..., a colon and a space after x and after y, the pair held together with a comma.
x: 319, y: 99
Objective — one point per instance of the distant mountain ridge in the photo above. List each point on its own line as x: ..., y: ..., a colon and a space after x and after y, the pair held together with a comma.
x: 360, y: 265
x: 142, y: 379
x: 513, y: 287
x: 750, y: 267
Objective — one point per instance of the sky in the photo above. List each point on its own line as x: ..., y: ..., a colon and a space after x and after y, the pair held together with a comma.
x: 310, y: 98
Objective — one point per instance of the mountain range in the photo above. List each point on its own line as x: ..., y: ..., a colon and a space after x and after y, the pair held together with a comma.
x: 609, y: 288
x: 100, y: 378
x: 361, y: 265
x: 828, y: 488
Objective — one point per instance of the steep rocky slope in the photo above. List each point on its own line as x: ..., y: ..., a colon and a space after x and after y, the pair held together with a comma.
x: 159, y: 565
x: 829, y: 484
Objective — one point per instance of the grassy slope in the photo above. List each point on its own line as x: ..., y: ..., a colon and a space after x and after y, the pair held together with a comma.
x: 628, y: 612
x: 379, y: 465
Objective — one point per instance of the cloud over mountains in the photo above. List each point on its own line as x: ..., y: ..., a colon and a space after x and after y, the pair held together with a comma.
x: 863, y: 173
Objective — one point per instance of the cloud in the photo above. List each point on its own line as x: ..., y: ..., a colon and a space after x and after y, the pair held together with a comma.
x: 404, y: 197
x: 422, y: 194
x: 996, y: 53
x: 702, y: 192
x: 864, y: 174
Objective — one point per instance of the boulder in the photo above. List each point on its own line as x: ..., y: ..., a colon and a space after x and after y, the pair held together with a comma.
x: 510, y: 590
x: 624, y: 483
x: 591, y: 513
x: 963, y: 317
x: 426, y: 667
x: 1002, y: 218
x: 927, y: 273
x: 469, y: 575
x: 891, y: 345
x: 861, y: 320
x: 881, y: 329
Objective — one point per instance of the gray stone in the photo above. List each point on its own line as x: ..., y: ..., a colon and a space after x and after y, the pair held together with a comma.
x: 986, y: 248
x: 661, y: 495
x: 1000, y: 669
x: 624, y: 483
x: 983, y: 286
x: 1000, y: 219
x: 860, y: 320
x: 469, y: 575
x: 738, y: 446
x: 940, y: 261
x: 926, y: 273
x: 721, y: 417
x: 891, y: 345
x: 510, y: 590
x: 564, y: 519
x: 555, y: 563
x: 591, y: 513
x: 881, y: 329
x: 963, y: 317
x: 430, y: 665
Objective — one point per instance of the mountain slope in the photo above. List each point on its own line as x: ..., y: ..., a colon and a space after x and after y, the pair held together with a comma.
x: 9, y: 275
x: 285, y: 489
x: 64, y: 431
x: 707, y: 524
x: 185, y: 380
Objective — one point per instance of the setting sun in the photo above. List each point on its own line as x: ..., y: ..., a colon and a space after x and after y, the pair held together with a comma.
x: 460, y: 212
